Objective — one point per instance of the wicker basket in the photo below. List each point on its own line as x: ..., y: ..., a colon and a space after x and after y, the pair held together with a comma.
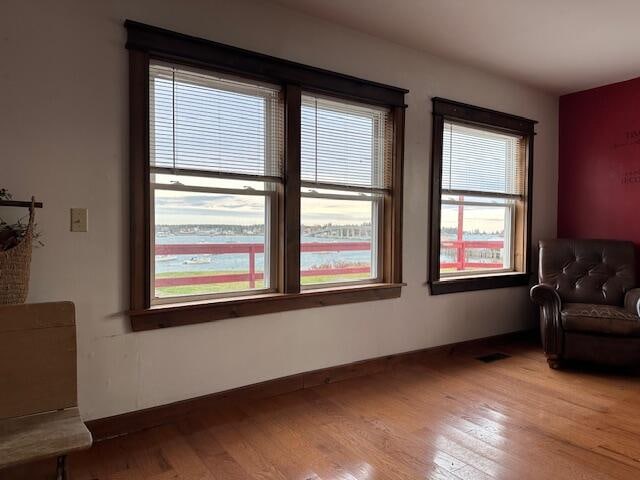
x: 15, y: 266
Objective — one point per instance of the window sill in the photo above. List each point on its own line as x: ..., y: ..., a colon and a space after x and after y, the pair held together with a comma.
x: 173, y: 315
x: 488, y: 282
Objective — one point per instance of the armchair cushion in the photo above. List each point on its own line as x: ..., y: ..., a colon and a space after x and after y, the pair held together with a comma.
x: 632, y: 301
x: 601, y: 319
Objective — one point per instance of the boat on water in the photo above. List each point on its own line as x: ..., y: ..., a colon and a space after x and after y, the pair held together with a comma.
x: 198, y: 260
x: 165, y: 258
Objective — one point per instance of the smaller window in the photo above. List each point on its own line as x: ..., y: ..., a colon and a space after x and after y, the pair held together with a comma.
x: 480, y: 212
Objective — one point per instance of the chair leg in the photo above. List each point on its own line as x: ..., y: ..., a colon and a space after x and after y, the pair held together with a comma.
x: 61, y: 470
x: 554, y: 363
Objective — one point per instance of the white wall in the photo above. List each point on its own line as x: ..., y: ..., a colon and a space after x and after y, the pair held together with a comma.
x: 64, y: 138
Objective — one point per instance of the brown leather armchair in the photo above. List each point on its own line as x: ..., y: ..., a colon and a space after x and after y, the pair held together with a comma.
x: 588, y: 303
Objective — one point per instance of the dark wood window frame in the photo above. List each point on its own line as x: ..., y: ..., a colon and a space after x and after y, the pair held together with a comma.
x: 146, y: 43
x: 482, y: 117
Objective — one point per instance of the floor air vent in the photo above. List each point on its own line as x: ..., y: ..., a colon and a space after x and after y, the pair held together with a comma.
x: 492, y: 357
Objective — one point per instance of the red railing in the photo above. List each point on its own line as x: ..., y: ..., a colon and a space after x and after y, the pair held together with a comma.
x: 460, y: 246
x: 251, y: 249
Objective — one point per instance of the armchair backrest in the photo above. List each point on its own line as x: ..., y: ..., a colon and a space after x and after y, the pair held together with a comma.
x: 588, y: 271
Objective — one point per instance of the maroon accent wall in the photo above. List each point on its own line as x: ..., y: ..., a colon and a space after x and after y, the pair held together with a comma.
x: 599, y: 163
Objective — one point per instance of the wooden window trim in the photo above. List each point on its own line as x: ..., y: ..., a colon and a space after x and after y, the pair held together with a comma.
x: 291, y: 223
x: 444, y: 109
x: 206, y: 53
x: 145, y: 43
x: 173, y: 315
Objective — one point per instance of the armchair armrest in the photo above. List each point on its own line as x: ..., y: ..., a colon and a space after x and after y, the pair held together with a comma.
x: 543, y: 294
x: 550, y: 325
x: 632, y: 301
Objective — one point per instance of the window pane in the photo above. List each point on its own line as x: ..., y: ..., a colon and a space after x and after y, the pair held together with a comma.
x: 345, y: 143
x: 202, y: 121
x: 209, y: 243
x: 475, y: 238
x: 338, y: 240
x: 482, y: 160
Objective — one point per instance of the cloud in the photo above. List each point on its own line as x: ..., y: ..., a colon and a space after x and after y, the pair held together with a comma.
x: 172, y: 207
x: 184, y: 207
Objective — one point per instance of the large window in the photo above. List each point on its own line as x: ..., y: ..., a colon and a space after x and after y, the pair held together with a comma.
x: 481, y: 168
x: 250, y: 191
x: 345, y: 174
x: 216, y: 149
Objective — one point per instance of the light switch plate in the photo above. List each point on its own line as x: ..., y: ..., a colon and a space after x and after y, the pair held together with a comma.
x: 79, y: 220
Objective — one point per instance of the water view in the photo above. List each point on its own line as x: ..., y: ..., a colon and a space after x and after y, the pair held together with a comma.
x: 201, y: 259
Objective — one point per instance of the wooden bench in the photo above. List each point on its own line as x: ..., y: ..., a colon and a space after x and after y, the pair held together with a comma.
x: 39, y: 415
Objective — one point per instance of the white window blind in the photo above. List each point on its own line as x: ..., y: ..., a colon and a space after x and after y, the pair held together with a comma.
x: 209, y: 123
x: 345, y: 143
x: 481, y: 160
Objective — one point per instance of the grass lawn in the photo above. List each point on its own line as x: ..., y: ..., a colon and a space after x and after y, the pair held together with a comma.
x: 208, y: 288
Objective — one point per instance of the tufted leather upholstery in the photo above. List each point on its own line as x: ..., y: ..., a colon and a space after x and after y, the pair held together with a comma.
x: 588, y: 271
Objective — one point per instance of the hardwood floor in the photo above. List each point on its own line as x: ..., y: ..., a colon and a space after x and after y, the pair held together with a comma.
x: 443, y: 415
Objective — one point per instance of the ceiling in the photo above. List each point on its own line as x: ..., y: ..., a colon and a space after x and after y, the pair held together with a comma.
x: 560, y: 46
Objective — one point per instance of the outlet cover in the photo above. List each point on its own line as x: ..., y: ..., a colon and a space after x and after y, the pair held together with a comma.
x: 79, y: 220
